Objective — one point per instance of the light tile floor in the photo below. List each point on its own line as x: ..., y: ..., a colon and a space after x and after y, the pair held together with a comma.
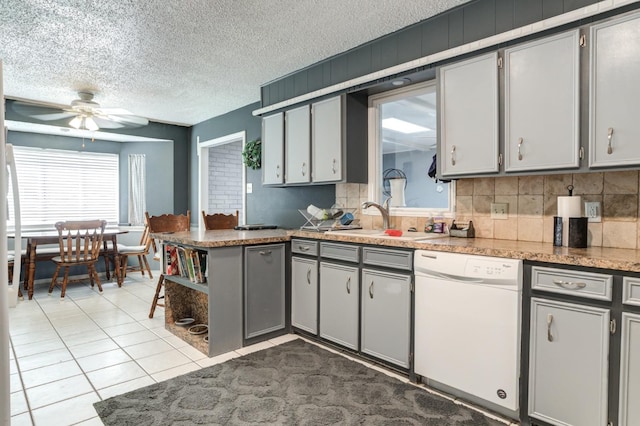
x: 66, y: 355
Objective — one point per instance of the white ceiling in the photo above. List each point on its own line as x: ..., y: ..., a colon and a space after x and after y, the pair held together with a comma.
x: 182, y: 61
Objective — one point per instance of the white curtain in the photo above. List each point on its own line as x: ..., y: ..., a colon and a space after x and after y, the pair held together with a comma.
x: 137, y: 189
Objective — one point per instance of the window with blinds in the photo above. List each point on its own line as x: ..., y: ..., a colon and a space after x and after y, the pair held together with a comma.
x: 59, y: 185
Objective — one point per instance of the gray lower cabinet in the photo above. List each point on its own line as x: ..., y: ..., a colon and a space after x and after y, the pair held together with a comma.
x: 304, y: 294
x: 264, y: 289
x: 339, y: 304
x: 629, y: 414
x: 568, y: 366
x: 386, y: 316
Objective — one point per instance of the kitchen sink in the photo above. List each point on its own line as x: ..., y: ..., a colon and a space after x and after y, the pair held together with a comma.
x: 378, y: 233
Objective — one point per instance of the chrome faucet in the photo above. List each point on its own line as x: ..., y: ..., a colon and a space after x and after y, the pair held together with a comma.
x: 384, y: 210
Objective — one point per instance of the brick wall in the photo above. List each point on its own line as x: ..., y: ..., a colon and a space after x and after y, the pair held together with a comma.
x: 225, y: 178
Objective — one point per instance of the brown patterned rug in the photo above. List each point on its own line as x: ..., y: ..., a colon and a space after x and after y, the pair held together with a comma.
x: 296, y: 383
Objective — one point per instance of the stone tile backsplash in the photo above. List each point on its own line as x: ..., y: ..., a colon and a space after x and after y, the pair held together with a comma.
x: 532, y: 204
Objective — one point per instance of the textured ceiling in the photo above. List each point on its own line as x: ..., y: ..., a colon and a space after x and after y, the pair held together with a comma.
x: 182, y: 61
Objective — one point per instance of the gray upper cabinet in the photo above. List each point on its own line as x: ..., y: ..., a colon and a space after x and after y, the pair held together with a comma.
x: 316, y: 145
x: 542, y: 104
x: 297, y: 143
x: 273, y: 149
x: 469, y: 116
x: 615, y: 93
x: 327, y: 141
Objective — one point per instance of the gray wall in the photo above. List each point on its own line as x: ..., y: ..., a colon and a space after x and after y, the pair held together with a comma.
x: 277, y: 206
x: 470, y: 22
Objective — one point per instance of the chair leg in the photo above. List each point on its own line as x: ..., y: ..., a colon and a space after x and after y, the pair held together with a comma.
x: 157, y: 295
x: 54, y: 279
x: 140, y: 264
x: 124, y: 261
x: 106, y: 265
x: 64, y: 282
x: 94, y: 273
x: 146, y: 263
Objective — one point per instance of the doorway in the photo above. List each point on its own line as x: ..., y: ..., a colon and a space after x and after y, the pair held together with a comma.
x: 222, y: 176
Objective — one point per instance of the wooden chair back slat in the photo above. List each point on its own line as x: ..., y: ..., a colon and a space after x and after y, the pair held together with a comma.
x: 80, y: 240
x: 169, y: 222
x: 220, y: 220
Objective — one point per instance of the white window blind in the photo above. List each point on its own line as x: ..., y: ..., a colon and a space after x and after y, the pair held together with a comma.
x: 59, y: 185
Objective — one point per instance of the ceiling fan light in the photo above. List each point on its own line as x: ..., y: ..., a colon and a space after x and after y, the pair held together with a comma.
x: 90, y: 124
x: 76, y: 122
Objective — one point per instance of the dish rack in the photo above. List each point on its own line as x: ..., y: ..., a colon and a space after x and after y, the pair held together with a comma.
x: 318, y: 225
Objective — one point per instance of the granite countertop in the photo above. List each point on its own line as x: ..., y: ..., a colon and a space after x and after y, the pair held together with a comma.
x: 595, y: 257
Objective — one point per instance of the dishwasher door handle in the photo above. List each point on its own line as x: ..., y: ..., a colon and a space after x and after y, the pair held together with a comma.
x: 443, y: 276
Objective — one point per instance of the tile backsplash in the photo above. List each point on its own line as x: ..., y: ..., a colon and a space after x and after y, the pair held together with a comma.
x: 532, y: 203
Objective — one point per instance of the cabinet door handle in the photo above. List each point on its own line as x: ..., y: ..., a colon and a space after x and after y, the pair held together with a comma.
x: 278, y: 171
x: 349, y: 285
x: 570, y: 285
x: 371, y: 290
x: 265, y: 252
x: 309, y: 276
x: 333, y: 166
x: 609, y: 137
x: 520, y: 142
x: 303, y: 169
x: 549, y: 321
x: 453, y: 155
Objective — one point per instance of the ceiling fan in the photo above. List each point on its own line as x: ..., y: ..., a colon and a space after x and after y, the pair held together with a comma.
x: 85, y: 114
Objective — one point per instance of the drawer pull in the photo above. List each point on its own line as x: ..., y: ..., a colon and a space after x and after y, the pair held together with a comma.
x: 303, y: 248
x: 371, y: 290
x: 570, y: 285
x: 265, y: 252
x: 309, y: 276
x: 453, y: 155
x: 609, y: 136
x: 549, y: 321
x: 278, y: 171
x: 333, y: 166
x: 303, y: 170
x: 349, y: 285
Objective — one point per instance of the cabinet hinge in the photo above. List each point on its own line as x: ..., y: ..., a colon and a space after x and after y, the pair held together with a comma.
x: 500, y: 62
x: 583, y: 41
x: 612, y: 326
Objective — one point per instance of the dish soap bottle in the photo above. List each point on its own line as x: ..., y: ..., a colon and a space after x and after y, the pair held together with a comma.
x: 428, y: 227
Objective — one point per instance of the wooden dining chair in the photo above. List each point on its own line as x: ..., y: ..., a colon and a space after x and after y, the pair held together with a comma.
x: 140, y: 251
x: 79, y: 242
x: 159, y: 224
x: 219, y: 220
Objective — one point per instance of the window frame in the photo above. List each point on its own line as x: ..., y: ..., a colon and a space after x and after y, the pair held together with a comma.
x: 375, y: 157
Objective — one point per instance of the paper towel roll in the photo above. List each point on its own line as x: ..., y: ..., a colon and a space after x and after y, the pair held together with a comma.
x: 568, y: 206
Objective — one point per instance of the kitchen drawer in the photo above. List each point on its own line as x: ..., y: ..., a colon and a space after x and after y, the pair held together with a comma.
x: 631, y: 291
x: 304, y: 247
x: 340, y: 251
x: 575, y: 283
x: 388, y: 258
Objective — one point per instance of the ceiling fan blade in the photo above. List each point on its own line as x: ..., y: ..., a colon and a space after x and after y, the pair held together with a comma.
x: 127, y: 120
x: 40, y: 112
x: 105, y: 123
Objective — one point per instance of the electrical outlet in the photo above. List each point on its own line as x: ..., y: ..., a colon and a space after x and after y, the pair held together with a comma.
x: 499, y: 211
x: 592, y: 211
x: 249, y: 187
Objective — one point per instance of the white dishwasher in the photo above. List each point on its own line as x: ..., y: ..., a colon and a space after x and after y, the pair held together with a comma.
x: 467, y: 326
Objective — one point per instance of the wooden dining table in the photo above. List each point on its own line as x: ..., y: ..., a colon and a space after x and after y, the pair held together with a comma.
x: 39, y: 238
